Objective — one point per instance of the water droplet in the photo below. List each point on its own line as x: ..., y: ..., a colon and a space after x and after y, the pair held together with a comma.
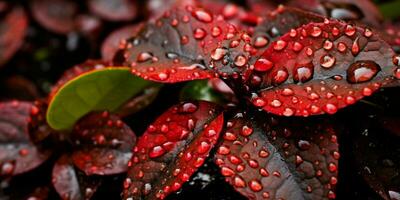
x: 276, y: 103
x: 240, y: 61
x: 287, y: 92
x: 280, y: 76
x: 355, y: 48
x: 350, y: 30
x: 239, y: 182
x: 203, y: 147
x: 298, y: 160
x: 218, y: 53
x: 216, y: 31
x: 316, y: 31
x: 258, y: 102
x: 303, y: 73
x: 202, y: 16
x: 255, y: 185
x: 397, y: 73
x: 332, y: 167
x: 263, y: 153
x: 199, y: 33
x: 297, y: 46
x: 226, y: 171
x: 263, y: 65
x: 330, y: 108
x: 223, y: 150
x: 156, y: 151
x: 246, y: 131
x: 234, y: 160
x: 367, y: 32
x: 279, y: 45
x: 328, y: 45
x: 162, y: 76
x: 327, y: 61
x: 144, y: 56
x: 288, y: 112
x: 260, y: 42
x: 362, y: 71
x: 188, y: 108
x: 309, y: 51
x: 304, y: 145
x: 341, y: 47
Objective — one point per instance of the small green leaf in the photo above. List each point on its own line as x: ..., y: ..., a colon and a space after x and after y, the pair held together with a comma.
x: 98, y: 90
x: 201, y: 90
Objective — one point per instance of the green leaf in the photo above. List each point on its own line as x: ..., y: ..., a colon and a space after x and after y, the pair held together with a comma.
x: 201, y: 90
x: 98, y: 90
x: 390, y: 9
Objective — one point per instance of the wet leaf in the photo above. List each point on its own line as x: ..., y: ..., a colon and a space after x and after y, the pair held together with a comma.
x: 321, y: 68
x: 17, y: 153
x: 280, y: 159
x: 116, y: 39
x: 103, y: 144
x: 97, y: 90
x: 183, y: 45
x: 71, y: 184
x: 172, y: 149
x: 116, y: 10
x: 12, y: 31
x: 55, y: 15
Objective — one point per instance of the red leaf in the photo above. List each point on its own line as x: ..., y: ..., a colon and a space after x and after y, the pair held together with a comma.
x: 71, y: 184
x: 116, y: 39
x: 320, y: 68
x: 17, y: 153
x: 180, y: 46
x: 104, y: 144
x: 116, y: 10
x: 364, y: 11
x: 275, y: 162
x: 172, y: 149
x: 75, y: 71
x: 13, y: 29
x: 55, y: 15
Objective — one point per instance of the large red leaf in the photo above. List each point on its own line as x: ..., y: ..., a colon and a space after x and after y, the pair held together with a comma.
x: 12, y: 31
x: 172, y: 149
x: 17, y: 153
x: 320, y: 68
x: 103, y: 144
x: 185, y: 44
x: 71, y: 184
x: 279, y: 160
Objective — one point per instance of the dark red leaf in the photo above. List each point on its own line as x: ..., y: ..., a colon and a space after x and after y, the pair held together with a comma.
x: 71, y: 184
x: 75, y: 71
x: 172, y: 149
x: 18, y: 87
x: 364, y: 11
x: 391, y: 35
x: 103, y: 144
x: 184, y: 45
x: 116, y: 10
x: 156, y: 8
x: 12, y: 31
x: 392, y: 124
x: 55, y: 15
x: 17, y: 153
x: 377, y: 156
x: 115, y: 40
x: 281, y: 160
x: 320, y: 68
